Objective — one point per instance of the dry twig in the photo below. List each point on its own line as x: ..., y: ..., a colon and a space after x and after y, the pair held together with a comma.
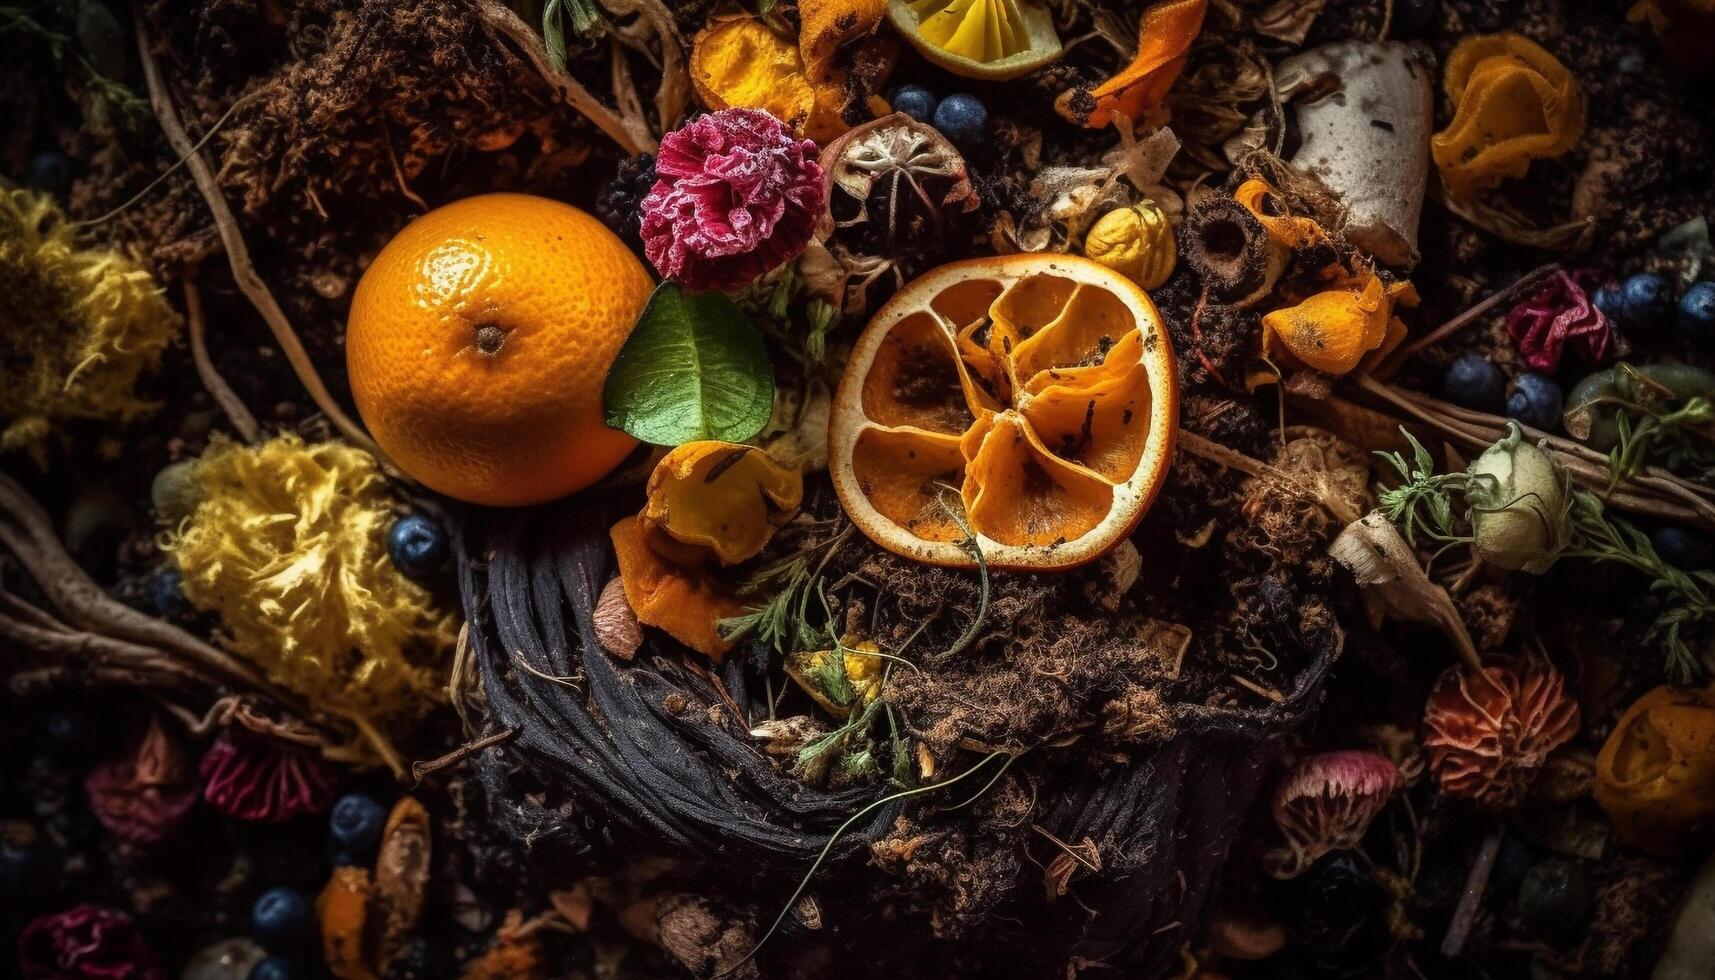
x: 218, y: 389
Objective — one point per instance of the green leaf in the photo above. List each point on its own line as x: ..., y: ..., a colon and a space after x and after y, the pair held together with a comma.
x: 693, y: 368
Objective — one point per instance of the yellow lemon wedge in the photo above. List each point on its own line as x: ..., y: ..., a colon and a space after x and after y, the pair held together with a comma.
x: 993, y: 39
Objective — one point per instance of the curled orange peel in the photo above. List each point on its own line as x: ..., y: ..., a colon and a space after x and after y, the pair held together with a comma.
x: 1655, y: 775
x: 686, y: 603
x: 828, y: 25
x: 1284, y: 228
x: 1514, y: 103
x: 1339, y: 329
x: 723, y: 498
x: 1164, y: 38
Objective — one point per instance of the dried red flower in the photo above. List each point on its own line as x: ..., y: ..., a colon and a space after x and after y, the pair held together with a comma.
x: 1326, y: 802
x: 86, y: 942
x: 1561, y: 314
x: 257, y: 779
x: 736, y: 194
x: 1487, y: 733
x: 142, y: 796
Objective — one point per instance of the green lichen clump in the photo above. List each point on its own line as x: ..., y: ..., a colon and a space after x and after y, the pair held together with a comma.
x: 81, y: 325
x: 287, y: 542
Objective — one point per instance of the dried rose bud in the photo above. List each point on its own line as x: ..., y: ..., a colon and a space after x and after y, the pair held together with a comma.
x: 1487, y: 733
x: 142, y: 796
x: 257, y: 779
x: 86, y: 942
x: 1558, y: 315
x: 1326, y: 804
x: 735, y: 195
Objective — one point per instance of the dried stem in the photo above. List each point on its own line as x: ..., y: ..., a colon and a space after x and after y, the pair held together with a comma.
x: 218, y: 389
x: 1476, y: 883
x: 1465, y: 319
x: 422, y: 770
x: 1232, y: 459
x: 629, y: 131
x: 238, y: 254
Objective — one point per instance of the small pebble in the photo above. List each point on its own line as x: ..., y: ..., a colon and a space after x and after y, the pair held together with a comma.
x: 1474, y: 382
x: 1535, y: 400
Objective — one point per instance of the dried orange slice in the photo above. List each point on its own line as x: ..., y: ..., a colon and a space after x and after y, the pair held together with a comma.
x: 1034, y: 395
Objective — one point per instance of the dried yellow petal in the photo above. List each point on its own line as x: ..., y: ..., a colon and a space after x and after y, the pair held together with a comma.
x: 1514, y: 103
x: 722, y: 497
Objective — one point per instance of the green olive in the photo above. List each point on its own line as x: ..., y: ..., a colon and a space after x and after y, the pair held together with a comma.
x: 1594, y: 421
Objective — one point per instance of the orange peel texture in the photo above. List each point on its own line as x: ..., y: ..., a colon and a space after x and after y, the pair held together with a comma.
x: 742, y: 63
x: 1033, y: 396
x: 721, y: 498
x: 1164, y: 37
x: 1340, y: 329
x: 1655, y: 775
x: 686, y: 603
x: 1514, y: 103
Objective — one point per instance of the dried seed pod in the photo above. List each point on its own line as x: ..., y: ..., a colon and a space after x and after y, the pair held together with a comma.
x: 616, y: 625
x: 1230, y: 251
x: 1327, y: 802
x: 1136, y: 241
x: 1488, y: 731
x: 401, y: 877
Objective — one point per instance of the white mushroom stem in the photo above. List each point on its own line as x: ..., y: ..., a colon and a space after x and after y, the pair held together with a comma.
x: 1364, y: 112
x: 1691, y: 944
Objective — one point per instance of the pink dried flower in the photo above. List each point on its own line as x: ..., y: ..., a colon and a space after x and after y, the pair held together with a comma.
x: 142, y: 797
x: 257, y: 779
x: 1488, y: 733
x: 86, y: 942
x: 1558, y: 315
x: 1326, y: 802
x: 736, y: 195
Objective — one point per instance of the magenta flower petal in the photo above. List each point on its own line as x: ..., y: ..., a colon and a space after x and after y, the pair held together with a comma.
x: 86, y: 942
x: 1326, y: 802
x: 142, y: 796
x: 735, y: 195
x: 1561, y: 315
x: 256, y: 779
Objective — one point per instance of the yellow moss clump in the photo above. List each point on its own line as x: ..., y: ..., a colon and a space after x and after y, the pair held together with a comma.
x: 80, y: 326
x: 287, y: 542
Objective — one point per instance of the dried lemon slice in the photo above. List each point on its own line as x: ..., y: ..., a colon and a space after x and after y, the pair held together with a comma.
x: 1035, y: 393
x: 994, y: 39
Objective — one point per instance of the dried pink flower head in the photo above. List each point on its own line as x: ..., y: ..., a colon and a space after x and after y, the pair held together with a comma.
x: 1487, y: 733
x: 735, y: 195
x: 142, y: 796
x: 1558, y: 315
x: 86, y: 942
x: 1326, y: 802
x: 257, y: 779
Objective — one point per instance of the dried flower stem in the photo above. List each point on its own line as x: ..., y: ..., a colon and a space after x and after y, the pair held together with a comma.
x: 1482, y: 308
x: 422, y: 770
x: 238, y: 254
x: 1476, y: 883
x: 218, y: 389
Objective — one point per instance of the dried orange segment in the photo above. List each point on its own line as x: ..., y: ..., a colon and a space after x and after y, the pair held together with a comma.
x: 1049, y: 422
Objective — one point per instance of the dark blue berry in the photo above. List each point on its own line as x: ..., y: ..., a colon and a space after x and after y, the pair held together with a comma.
x: 355, y: 825
x: 1554, y: 897
x: 1697, y: 310
x: 1474, y: 382
x: 31, y: 865
x: 1645, y: 300
x: 418, y: 545
x: 915, y: 101
x: 276, y: 968
x: 1412, y: 18
x: 963, y: 119
x: 1535, y: 400
x: 167, y: 593
x: 50, y: 173
x: 1682, y: 547
x: 280, y: 920
x: 1610, y: 301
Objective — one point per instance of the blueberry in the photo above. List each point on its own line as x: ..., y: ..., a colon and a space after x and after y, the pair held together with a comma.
x: 963, y: 119
x: 50, y: 173
x: 31, y: 864
x: 1697, y: 310
x: 281, y: 920
x: 418, y: 545
x: 1610, y: 301
x: 1554, y: 897
x: 1535, y: 400
x: 355, y: 825
x: 1644, y: 301
x: 1682, y: 547
x: 276, y: 968
x: 1475, y: 383
x: 1412, y: 18
x: 915, y: 101
x: 166, y: 590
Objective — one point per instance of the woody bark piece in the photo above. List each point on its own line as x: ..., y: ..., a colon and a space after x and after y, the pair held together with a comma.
x: 1364, y: 117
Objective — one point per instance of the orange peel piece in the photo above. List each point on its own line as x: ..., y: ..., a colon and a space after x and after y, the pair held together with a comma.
x: 1655, y: 775
x: 722, y: 497
x: 1284, y: 228
x: 343, y: 910
x: 1514, y: 103
x: 1026, y: 403
x: 743, y: 63
x: 1164, y: 37
x: 1339, y: 329
x: 827, y: 25
x: 683, y: 602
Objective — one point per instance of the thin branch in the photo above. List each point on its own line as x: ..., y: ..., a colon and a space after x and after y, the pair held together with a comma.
x: 218, y: 389
x: 1232, y: 459
x: 1466, y: 318
x: 238, y: 254
x: 422, y: 770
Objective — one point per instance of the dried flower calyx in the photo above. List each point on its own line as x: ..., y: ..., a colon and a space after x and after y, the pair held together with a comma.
x: 1655, y: 776
x: 1487, y: 732
x: 736, y: 195
x: 1326, y: 802
x: 1514, y: 103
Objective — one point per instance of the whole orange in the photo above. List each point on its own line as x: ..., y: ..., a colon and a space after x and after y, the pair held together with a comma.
x: 479, y: 341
